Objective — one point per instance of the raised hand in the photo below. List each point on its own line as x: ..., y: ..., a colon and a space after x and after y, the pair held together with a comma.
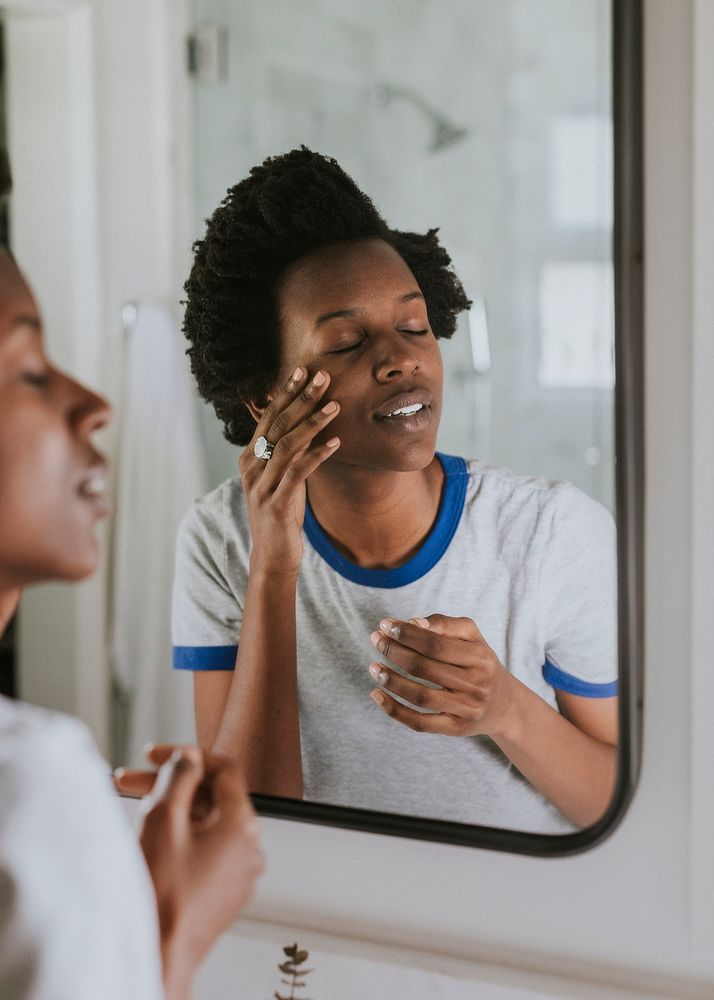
x: 275, y: 486
x: 475, y: 691
x: 200, y: 840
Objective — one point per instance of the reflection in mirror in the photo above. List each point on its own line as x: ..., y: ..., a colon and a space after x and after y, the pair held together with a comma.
x: 480, y: 528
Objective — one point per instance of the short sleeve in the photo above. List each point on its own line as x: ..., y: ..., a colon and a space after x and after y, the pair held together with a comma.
x: 77, y: 909
x: 206, y: 612
x: 578, y: 596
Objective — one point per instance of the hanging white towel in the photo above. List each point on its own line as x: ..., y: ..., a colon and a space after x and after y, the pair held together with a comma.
x: 161, y: 470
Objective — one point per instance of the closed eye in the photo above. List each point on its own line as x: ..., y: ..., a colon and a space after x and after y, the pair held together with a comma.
x: 352, y: 347
x: 37, y: 379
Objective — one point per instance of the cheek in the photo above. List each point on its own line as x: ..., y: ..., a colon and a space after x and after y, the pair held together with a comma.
x: 44, y: 530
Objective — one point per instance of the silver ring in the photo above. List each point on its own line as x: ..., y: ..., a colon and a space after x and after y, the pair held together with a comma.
x: 263, y: 449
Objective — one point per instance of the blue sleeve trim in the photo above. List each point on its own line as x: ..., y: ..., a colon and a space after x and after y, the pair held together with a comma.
x: 558, y: 678
x: 204, y: 657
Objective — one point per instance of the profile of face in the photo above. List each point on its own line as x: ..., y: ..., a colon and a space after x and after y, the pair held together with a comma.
x: 51, y: 476
x: 356, y: 311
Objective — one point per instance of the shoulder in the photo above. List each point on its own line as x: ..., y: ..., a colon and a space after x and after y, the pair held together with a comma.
x: 213, y: 507
x: 37, y: 744
x: 50, y: 767
x: 549, y: 498
x: 215, y: 517
x: 534, y: 512
x: 506, y: 494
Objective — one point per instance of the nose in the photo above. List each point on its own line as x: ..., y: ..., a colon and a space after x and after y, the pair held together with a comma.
x: 396, y: 357
x: 89, y: 411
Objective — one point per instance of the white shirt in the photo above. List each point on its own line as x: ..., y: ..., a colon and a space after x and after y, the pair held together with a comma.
x: 77, y: 909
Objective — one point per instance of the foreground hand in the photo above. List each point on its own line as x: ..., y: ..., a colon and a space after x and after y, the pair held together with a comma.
x: 200, y: 841
x: 475, y: 690
x: 275, y: 489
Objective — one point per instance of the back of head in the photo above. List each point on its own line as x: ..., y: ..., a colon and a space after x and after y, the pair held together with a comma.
x: 288, y: 207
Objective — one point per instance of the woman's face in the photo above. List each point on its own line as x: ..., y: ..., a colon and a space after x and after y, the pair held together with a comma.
x: 356, y: 311
x: 51, y: 478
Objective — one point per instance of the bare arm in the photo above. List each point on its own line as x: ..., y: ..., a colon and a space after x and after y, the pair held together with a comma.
x: 200, y: 842
x: 251, y: 715
x: 570, y: 758
x: 258, y: 723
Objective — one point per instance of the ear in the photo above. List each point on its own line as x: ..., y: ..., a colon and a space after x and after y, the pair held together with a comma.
x: 257, y: 407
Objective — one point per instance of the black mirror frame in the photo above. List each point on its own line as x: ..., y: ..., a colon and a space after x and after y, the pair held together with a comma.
x: 628, y: 238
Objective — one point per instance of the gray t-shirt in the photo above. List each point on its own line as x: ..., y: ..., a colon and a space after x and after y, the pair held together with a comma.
x: 532, y: 562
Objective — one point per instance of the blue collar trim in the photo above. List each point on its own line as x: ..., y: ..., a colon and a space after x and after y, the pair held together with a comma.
x: 453, y: 498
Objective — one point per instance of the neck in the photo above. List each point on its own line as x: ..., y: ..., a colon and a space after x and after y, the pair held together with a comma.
x: 376, y: 519
x: 9, y: 598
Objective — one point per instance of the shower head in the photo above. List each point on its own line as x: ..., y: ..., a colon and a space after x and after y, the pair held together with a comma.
x: 443, y: 132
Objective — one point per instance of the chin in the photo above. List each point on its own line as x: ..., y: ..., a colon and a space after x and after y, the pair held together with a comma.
x: 81, y: 563
x: 412, y: 456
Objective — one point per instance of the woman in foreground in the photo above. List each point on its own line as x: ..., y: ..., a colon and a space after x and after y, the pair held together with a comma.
x: 79, y: 916
x: 314, y: 330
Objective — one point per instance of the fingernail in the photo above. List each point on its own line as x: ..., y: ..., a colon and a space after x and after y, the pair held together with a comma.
x: 421, y: 622
x: 332, y: 443
x: 376, y: 638
x: 295, y: 378
x: 148, y: 747
x: 379, y: 674
x: 319, y: 379
x: 390, y: 627
x: 377, y: 696
x: 119, y: 772
x: 329, y: 407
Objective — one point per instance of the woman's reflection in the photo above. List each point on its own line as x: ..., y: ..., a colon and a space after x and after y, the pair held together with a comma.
x: 314, y: 332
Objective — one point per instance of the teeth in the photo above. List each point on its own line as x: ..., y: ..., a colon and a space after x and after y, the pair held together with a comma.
x: 407, y: 409
x: 93, y: 486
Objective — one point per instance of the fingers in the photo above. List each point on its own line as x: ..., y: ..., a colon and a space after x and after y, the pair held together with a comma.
x: 293, y: 444
x: 134, y: 782
x: 426, y: 698
x: 302, y: 468
x: 420, y: 665
x: 159, y: 753
x: 296, y: 394
x: 443, y: 724
x: 138, y: 782
x: 457, y: 628
x: 177, y: 782
x: 291, y: 422
x: 395, y: 639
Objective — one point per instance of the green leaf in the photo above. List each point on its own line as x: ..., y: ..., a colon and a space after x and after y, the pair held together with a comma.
x: 291, y: 950
x: 301, y: 956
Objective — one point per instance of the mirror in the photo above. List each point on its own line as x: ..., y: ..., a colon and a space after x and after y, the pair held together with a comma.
x: 515, y: 129
x: 501, y: 135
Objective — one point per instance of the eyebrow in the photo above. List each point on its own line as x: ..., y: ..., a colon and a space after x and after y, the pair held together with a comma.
x: 349, y: 313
